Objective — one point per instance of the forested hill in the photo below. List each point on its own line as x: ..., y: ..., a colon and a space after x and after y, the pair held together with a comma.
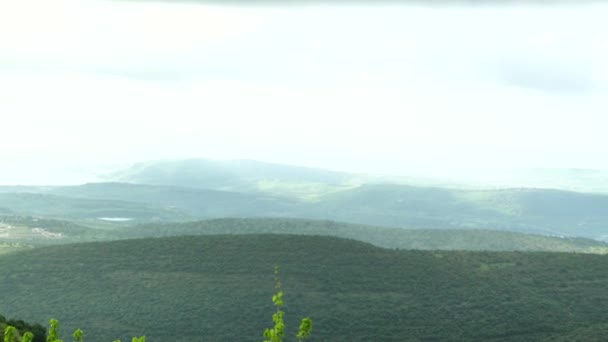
x: 26, y: 232
x: 434, y: 239
x: 195, y: 189
x: 218, y: 288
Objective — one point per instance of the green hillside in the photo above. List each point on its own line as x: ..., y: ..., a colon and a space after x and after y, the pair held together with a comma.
x: 217, y: 288
x: 52, y: 206
x: 181, y: 190
x: 542, y: 211
x: 24, y: 232
x: 387, y: 201
x: 139, y: 202
x: 195, y: 202
x: 478, y: 240
x: 10, y: 247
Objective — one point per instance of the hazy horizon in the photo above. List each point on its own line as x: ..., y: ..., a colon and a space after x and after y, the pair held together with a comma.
x: 88, y: 85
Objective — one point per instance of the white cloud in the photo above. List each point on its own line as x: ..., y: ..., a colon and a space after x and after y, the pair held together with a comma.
x: 88, y: 83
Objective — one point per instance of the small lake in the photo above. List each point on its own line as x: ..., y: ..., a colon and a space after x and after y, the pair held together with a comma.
x: 115, y: 219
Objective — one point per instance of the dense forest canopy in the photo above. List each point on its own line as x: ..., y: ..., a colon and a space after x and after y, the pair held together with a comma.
x: 187, y: 288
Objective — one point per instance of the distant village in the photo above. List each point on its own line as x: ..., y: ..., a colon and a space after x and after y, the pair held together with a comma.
x: 14, y: 232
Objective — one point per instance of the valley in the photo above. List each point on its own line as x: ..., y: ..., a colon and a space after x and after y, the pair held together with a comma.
x: 180, y: 191
x: 365, y: 258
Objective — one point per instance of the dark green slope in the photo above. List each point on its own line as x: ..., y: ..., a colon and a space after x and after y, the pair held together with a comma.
x: 594, y: 333
x: 380, y: 236
x: 53, y: 206
x: 195, y: 202
x: 21, y: 230
x: 141, y: 203
x: 543, y: 211
x: 218, y: 288
x: 399, y: 205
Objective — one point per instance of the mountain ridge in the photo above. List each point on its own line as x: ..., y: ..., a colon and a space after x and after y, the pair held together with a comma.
x: 568, y: 179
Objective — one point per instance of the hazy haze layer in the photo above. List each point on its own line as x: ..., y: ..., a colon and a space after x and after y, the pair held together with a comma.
x: 85, y: 85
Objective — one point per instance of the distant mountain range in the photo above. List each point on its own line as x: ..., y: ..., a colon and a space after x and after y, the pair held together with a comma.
x: 396, y: 238
x: 255, y: 175
x: 232, y: 175
x: 368, y: 258
x: 187, y: 190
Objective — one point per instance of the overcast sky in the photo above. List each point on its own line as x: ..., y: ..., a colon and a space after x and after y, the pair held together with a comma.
x: 86, y: 85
